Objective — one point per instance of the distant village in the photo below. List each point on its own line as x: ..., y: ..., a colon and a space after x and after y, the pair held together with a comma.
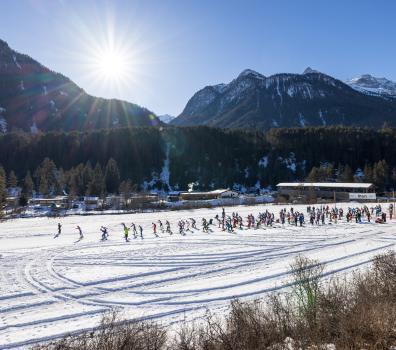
x: 305, y: 192
x: 40, y: 205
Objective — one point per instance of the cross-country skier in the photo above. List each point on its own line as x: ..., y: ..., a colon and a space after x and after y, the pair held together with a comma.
x: 161, y: 226
x: 168, y: 228
x: 126, y: 232
x: 80, y: 232
x: 155, y: 229
x: 134, y: 230
x: 141, y: 231
x: 59, y: 230
x: 105, y: 234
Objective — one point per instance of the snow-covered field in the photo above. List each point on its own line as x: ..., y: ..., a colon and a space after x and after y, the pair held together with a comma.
x: 49, y: 287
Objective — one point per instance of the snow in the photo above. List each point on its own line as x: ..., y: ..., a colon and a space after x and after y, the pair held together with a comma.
x: 220, y: 88
x: 359, y: 173
x: 34, y: 129
x: 291, y: 90
x: 2, y: 110
x: 49, y: 287
x: 3, y: 125
x: 201, y: 99
x: 301, y: 119
x: 323, y: 120
x: 309, y: 70
x: 263, y: 162
x: 16, y: 62
x: 290, y: 162
x: 370, y: 85
x: 251, y: 73
x: 274, y: 123
x: 246, y: 171
x: 115, y: 121
x: 165, y: 172
x: 166, y: 118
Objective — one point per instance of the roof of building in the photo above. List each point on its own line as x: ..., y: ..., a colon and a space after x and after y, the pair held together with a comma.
x: 326, y: 184
x: 214, y: 192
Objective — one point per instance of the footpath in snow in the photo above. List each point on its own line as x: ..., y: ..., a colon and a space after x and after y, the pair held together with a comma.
x: 51, y: 286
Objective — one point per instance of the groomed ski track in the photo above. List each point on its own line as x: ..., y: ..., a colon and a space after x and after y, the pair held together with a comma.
x: 53, y: 286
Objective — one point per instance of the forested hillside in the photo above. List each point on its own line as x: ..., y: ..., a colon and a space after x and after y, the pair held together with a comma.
x: 34, y: 98
x: 101, y: 161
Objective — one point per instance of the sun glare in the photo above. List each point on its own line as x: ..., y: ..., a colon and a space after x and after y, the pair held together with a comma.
x: 111, y: 65
x: 112, y: 58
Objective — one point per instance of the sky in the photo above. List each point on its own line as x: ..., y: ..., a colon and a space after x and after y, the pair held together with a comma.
x: 166, y: 50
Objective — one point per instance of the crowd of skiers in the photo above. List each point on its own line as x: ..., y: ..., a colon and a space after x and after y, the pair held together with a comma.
x: 317, y: 215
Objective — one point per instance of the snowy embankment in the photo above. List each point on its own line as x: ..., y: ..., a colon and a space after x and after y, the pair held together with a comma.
x: 52, y: 286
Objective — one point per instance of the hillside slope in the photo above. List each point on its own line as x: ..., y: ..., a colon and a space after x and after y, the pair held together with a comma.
x: 32, y: 97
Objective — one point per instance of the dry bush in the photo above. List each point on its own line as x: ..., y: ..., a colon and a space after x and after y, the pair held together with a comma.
x: 361, y: 312
x: 112, y: 334
x: 353, y: 313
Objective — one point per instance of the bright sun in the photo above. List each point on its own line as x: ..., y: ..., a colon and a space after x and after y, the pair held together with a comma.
x: 112, y: 60
x: 111, y: 65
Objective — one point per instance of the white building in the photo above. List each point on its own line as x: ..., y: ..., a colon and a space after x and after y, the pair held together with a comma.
x: 323, y: 190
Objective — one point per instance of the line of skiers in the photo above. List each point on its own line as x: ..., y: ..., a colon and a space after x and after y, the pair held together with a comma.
x: 229, y: 223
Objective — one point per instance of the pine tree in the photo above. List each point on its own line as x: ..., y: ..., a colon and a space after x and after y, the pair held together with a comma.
x: 60, y: 182
x: 3, y: 188
x: 12, y: 179
x: 346, y: 175
x: 96, y: 186
x: 46, y: 177
x: 43, y: 185
x: 112, y: 176
x: 87, y: 174
x: 381, y: 174
x: 28, y: 185
x: 393, y: 177
x: 313, y: 175
x: 368, y: 173
x: 72, y: 183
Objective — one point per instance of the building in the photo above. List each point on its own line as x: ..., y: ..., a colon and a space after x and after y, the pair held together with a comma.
x: 61, y: 202
x: 12, y: 201
x: 312, y: 191
x: 216, y: 194
x: 92, y: 202
x: 114, y: 202
x: 141, y: 200
x: 174, y: 196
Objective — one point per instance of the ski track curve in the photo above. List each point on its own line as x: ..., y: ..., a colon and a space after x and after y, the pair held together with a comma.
x: 52, y: 287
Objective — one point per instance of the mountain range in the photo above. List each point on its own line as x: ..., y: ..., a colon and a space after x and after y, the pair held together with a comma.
x: 34, y: 98
x: 255, y: 101
x: 368, y: 84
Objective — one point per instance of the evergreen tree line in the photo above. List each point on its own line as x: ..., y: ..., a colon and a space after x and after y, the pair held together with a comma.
x: 84, y: 179
x: 107, y: 161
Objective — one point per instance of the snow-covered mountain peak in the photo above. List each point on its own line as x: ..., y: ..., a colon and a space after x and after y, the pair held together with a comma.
x: 250, y: 73
x: 220, y: 87
x: 166, y: 118
x: 372, y: 85
x: 309, y: 70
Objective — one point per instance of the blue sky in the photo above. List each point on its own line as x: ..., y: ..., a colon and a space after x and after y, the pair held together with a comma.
x: 176, y: 47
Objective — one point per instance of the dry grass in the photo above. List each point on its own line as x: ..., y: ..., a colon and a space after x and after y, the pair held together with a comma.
x: 358, y: 313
